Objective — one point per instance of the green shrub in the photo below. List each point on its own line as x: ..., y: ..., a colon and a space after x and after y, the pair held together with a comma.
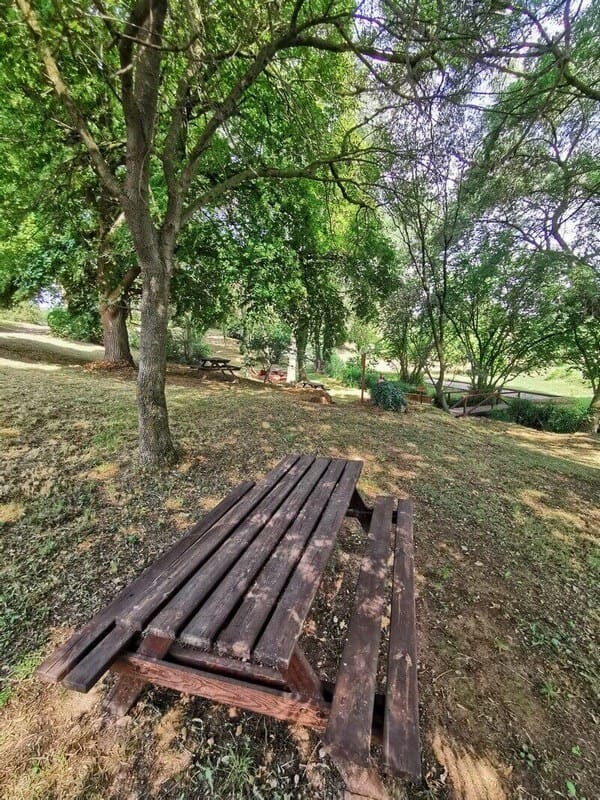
x: 84, y: 326
x: 335, y: 367
x: 554, y: 417
x: 567, y: 418
x: 500, y: 414
x: 26, y: 311
x: 388, y: 395
x: 349, y: 373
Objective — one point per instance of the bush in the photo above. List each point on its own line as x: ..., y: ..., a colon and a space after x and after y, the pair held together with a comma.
x: 26, y: 311
x: 349, y: 373
x: 554, y: 417
x: 500, y: 414
x: 185, y: 348
x: 567, y: 418
x: 388, y: 395
x: 84, y: 326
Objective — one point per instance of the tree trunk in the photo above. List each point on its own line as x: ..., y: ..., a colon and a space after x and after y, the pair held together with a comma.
x: 439, y: 391
x: 155, y: 444
x: 301, y: 342
x: 115, y: 336
x: 595, y: 412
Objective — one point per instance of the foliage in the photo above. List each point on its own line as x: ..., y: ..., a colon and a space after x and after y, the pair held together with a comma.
x: 184, y: 342
x: 267, y: 338
x: 388, y: 395
x: 26, y: 311
x: 407, y: 337
x: 82, y: 325
x: 555, y: 417
x: 349, y: 372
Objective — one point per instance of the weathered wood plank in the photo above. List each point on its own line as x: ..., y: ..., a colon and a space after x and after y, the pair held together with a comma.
x: 92, y: 666
x: 229, y: 691
x: 230, y: 667
x: 214, y: 612
x: 281, y: 633
x: 349, y: 730
x: 169, y: 581
x: 239, y: 636
x: 401, y: 749
x: 61, y: 660
x: 126, y: 690
x: 209, y: 562
x: 301, y: 677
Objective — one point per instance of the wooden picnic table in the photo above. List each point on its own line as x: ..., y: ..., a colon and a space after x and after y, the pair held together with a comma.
x: 219, y: 615
x: 214, y: 363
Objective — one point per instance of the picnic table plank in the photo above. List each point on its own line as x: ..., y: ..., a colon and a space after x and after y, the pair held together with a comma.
x: 281, y: 633
x: 67, y: 655
x: 401, y: 749
x: 213, y: 613
x: 167, y: 583
x: 231, y: 540
x: 349, y: 729
x: 239, y: 636
x: 92, y: 666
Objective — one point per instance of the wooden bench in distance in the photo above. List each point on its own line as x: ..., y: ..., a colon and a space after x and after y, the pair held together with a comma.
x: 350, y: 726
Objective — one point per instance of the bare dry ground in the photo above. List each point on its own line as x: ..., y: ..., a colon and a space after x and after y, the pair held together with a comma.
x: 506, y: 529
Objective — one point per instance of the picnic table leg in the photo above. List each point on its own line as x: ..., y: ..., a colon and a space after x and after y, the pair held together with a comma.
x: 360, y: 510
x: 301, y: 677
x: 362, y: 783
x: 126, y: 690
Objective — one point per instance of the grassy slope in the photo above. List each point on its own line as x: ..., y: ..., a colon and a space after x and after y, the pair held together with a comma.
x: 507, y: 574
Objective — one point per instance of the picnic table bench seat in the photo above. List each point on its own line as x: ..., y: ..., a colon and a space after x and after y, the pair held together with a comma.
x: 220, y: 613
x: 350, y: 726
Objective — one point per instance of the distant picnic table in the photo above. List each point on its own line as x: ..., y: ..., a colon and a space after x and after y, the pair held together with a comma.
x: 307, y: 384
x: 219, y: 615
x: 220, y: 364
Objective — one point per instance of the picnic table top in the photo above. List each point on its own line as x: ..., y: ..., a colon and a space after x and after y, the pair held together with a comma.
x: 240, y: 584
x: 214, y: 360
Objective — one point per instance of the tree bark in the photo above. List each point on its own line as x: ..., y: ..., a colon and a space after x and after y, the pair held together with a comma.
x: 115, y: 336
x: 155, y: 443
x: 301, y: 342
x: 595, y: 412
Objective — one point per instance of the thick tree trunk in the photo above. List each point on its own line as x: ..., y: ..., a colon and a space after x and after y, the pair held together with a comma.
x: 115, y: 336
x: 155, y: 444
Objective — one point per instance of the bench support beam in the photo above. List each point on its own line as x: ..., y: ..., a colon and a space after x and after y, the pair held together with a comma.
x: 229, y: 691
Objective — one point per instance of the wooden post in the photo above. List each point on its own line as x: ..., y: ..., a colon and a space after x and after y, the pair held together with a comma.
x: 363, y: 367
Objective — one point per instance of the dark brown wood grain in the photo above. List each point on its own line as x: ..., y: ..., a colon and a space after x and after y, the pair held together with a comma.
x: 349, y: 730
x: 301, y: 677
x: 221, y: 665
x: 126, y: 689
x: 401, y: 749
x: 281, y: 633
x: 239, y: 636
x: 229, y: 691
x: 169, y: 581
x: 213, y: 613
x: 61, y: 660
x: 92, y: 666
x: 216, y: 555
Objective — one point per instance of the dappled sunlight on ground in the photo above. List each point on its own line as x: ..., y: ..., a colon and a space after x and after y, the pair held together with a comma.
x: 471, y: 776
x: 580, y: 447
x: 8, y: 364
